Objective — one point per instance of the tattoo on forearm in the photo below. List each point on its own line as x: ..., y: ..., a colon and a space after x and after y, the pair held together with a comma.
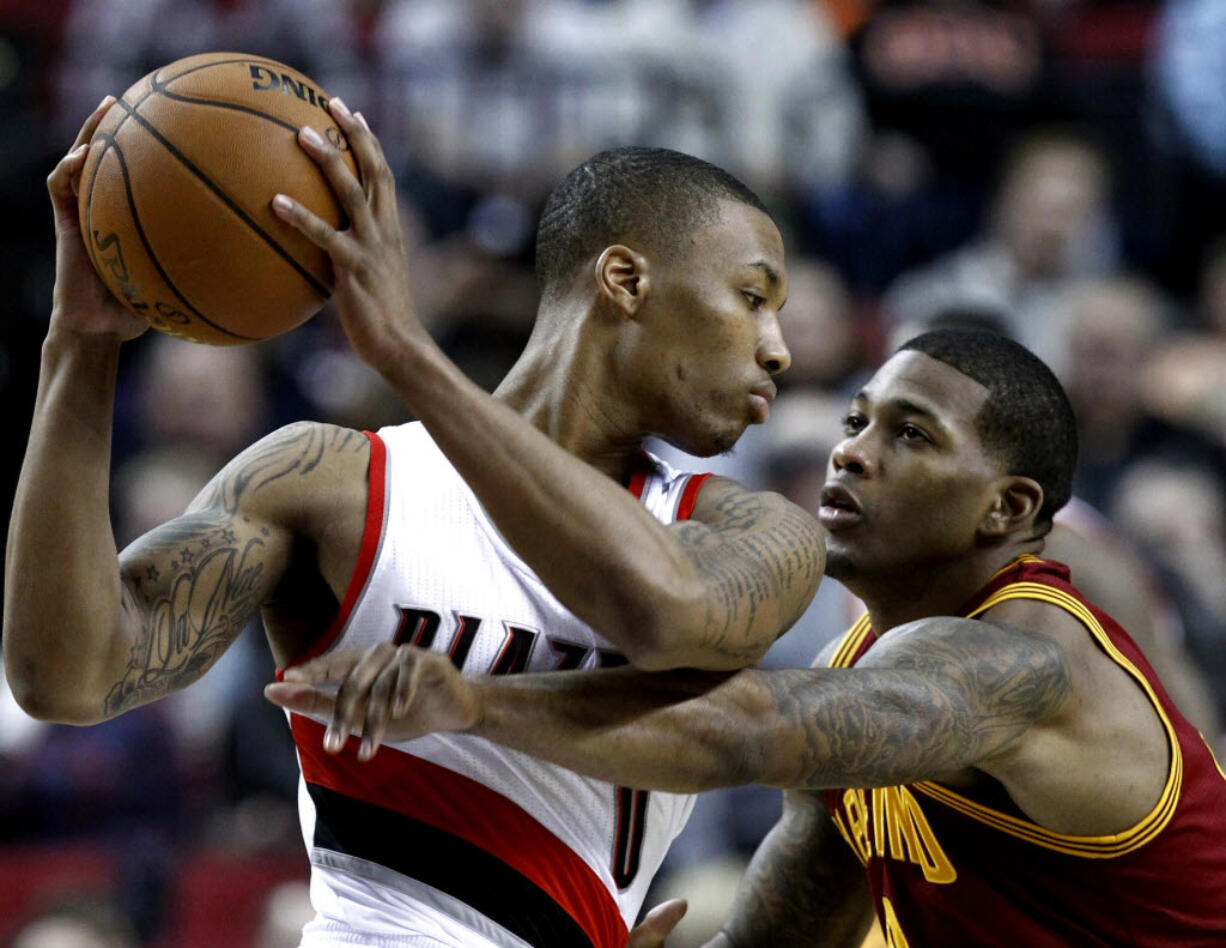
x: 802, y: 881
x: 948, y: 703
x: 750, y: 562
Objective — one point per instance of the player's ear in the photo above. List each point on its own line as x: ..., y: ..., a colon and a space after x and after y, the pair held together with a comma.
x: 622, y: 278
x: 1015, y: 504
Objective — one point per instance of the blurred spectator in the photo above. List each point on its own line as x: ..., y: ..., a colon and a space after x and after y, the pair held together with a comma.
x: 109, y: 44
x: 1189, y: 60
x: 1176, y: 512
x: 1112, y: 325
x: 1049, y: 226
x: 491, y: 100
x: 821, y: 328
x: 1186, y: 107
x: 1115, y: 568
x: 798, y: 124
x: 209, y: 400
x: 287, y: 908
x: 81, y: 922
x: 1184, y: 382
x: 947, y: 85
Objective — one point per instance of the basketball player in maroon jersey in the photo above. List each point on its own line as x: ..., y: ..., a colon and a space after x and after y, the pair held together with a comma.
x: 985, y: 758
x: 662, y: 277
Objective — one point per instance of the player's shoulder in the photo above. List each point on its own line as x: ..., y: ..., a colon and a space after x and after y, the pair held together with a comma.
x: 287, y: 473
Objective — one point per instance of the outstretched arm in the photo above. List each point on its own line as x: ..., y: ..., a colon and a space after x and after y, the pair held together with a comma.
x: 712, y: 593
x: 933, y: 697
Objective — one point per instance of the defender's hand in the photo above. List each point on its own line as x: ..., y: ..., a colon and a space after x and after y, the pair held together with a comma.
x: 656, y: 924
x: 81, y: 303
x: 386, y: 692
x: 369, y: 260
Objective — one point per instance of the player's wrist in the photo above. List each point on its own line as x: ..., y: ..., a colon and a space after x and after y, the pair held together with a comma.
x: 65, y: 340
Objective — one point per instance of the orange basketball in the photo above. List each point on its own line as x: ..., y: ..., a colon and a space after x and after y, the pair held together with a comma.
x: 175, y: 198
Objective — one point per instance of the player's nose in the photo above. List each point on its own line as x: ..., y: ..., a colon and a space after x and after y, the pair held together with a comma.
x: 773, y: 354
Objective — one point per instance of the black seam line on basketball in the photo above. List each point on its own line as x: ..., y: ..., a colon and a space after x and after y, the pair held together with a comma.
x: 110, y: 144
x: 232, y: 105
x: 140, y: 232
x: 89, y: 197
x: 157, y: 85
x: 229, y: 202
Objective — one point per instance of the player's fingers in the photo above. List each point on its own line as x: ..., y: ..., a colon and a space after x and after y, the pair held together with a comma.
x: 406, y: 684
x: 367, y: 153
x: 318, y: 231
x: 61, y: 183
x: 652, y: 931
x: 354, y: 693
x: 379, y: 708
x: 383, y: 197
x: 91, y: 123
x: 332, y: 667
x: 302, y: 698
x: 349, y: 191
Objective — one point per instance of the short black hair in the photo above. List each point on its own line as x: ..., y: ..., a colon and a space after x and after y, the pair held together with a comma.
x: 1026, y: 420
x: 653, y: 195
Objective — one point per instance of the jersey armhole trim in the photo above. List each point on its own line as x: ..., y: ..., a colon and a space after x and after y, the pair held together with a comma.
x: 1092, y: 847
x: 689, y: 495
x: 372, y: 536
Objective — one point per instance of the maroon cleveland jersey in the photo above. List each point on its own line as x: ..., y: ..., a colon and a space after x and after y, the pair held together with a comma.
x: 947, y: 868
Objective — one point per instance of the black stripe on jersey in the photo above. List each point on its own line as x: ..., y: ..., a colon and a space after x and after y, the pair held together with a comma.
x: 446, y: 862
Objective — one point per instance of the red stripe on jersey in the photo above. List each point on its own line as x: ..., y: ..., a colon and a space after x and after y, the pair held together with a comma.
x: 472, y: 811
x: 689, y: 495
x: 638, y: 480
x: 376, y: 481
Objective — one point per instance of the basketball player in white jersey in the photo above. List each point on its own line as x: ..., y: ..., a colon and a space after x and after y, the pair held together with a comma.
x: 524, y: 531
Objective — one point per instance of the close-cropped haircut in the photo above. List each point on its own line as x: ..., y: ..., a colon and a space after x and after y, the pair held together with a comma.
x: 1027, y: 420
x: 650, y: 196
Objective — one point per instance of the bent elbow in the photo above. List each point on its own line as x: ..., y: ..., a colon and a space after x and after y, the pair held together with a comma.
x: 55, y: 705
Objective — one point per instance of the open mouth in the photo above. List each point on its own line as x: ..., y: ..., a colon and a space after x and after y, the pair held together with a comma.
x: 839, y: 507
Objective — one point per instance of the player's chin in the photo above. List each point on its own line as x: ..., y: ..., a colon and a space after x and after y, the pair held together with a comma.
x: 711, y: 439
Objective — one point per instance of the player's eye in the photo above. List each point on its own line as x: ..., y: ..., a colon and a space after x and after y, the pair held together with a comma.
x: 853, y: 423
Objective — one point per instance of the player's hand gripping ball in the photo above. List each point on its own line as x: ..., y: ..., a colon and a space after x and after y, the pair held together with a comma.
x: 175, y: 198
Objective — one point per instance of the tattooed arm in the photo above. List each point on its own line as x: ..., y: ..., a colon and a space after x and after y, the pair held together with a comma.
x: 89, y: 633
x: 803, y: 884
x: 932, y: 697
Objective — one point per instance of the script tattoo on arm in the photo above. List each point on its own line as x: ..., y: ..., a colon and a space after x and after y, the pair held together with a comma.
x: 804, y: 882
x: 191, y: 585
x: 935, y: 696
x: 761, y: 559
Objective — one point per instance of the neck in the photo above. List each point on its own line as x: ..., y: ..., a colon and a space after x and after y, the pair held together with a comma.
x: 911, y: 593
x: 564, y: 384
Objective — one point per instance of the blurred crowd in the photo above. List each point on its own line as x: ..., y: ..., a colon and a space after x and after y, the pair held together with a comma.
x: 1050, y: 169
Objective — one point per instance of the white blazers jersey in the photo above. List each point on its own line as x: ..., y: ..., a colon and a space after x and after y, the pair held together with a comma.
x: 451, y: 838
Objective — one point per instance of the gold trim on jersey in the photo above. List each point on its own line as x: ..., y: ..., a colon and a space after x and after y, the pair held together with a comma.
x: 853, y: 638
x: 1089, y: 847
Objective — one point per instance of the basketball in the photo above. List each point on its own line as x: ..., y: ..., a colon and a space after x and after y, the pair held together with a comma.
x: 175, y: 198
